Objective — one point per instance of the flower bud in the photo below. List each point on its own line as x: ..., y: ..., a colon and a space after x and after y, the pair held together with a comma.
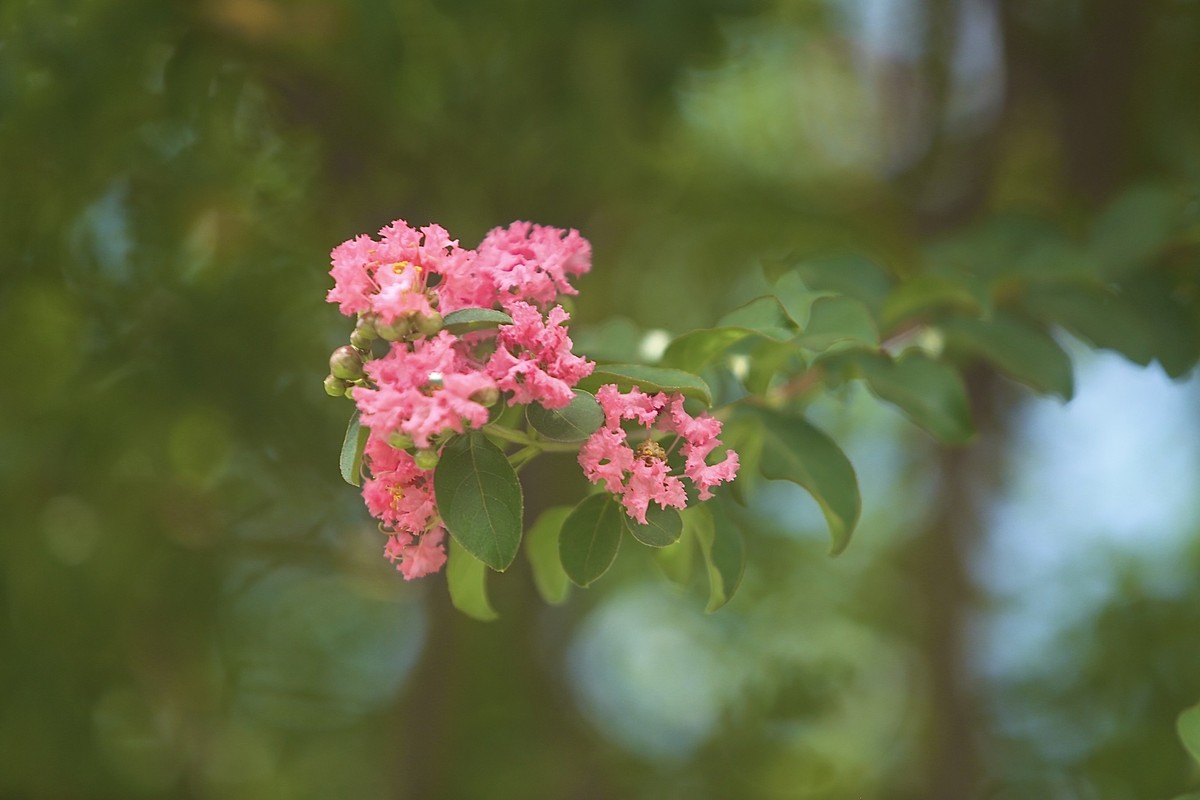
x: 429, y: 325
x: 360, y: 340
x: 487, y: 397
x: 346, y: 363
x: 394, y: 331
x: 366, y: 327
x: 399, y: 440
x: 350, y: 387
x: 334, y: 387
x: 426, y: 459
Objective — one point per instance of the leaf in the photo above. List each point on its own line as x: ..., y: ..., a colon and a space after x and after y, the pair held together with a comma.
x: 930, y: 393
x: 762, y: 315
x: 1133, y: 229
x: 480, y: 499
x: 352, y: 451
x: 794, y: 450
x: 465, y: 320
x: 721, y: 546
x: 1174, y: 322
x: 850, y: 274
x: 590, y: 537
x: 1096, y: 315
x: 572, y: 423
x: 541, y: 548
x: 617, y: 339
x: 677, y: 560
x: 796, y: 297
x: 1023, y: 351
x: 662, y: 528
x: 650, y: 380
x: 1188, y: 726
x: 695, y: 350
x: 836, y: 319
x: 466, y: 577
x: 917, y: 298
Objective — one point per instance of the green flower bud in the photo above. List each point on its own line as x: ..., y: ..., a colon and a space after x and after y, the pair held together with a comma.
x: 350, y: 390
x: 394, y: 331
x: 426, y: 459
x: 400, y: 441
x: 429, y: 325
x: 346, y: 363
x: 486, y: 397
x: 366, y: 327
x: 334, y: 387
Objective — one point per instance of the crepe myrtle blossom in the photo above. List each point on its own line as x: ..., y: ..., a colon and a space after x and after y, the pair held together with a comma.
x: 400, y: 494
x: 425, y: 383
x: 641, y: 476
x: 533, y: 357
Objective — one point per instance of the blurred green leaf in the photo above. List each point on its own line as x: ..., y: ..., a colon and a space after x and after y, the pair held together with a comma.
x: 466, y: 320
x: 1095, y: 314
x: 616, y: 339
x: 795, y: 451
x: 662, y: 528
x: 838, y: 319
x: 1018, y: 348
x: 762, y: 315
x: 695, y: 350
x: 541, y: 548
x: 929, y: 392
x: 590, y: 538
x: 466, y: 577
x: 849, y: 274
x: 1133, y: 228
x: 722, y: 548
x: 479, y: 498
x: 922, y: 296
x: 1173, y: 325
x: 572, y: 423
x: 795, y: 297
x: 677, y: 561
x: 649, y: 380
x: 1188, y: 726
x: 352, y: 451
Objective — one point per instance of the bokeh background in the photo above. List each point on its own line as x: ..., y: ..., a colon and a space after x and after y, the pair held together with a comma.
x: 193, y: 604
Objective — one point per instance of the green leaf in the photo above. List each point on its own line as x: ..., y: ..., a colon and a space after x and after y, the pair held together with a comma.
x: 838, y: 319
x: 662, y: 528
x: 1133, y: 229
x: 1188, y: 726
x: 678, y: 560
x: 795, y: 297
x: 466, y: 320
x: 763, y: 315
x: 930, y: 393
x: 352, y: 451
x: 590, y: 538
x: 480, y: 499
x: 650, y: 380
x: 721, y: 545
x: 541, y: 548
x: 1096, y: 315
x: 617, y: 339
x: 921, y: 297
x: 466, y: 577
x: 1025, y: 352
x: 572, y: 423
x: 794, y: 450
x: 849, y: 274
x: 695, y: 350
x: 1174, y: 322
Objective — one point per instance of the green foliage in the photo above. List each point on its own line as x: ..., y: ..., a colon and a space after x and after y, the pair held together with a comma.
x: 662, y: 529
x: 350, y: 461
x: 650, y: 380
x: 479, y: 498
x: 541, y: 548
x: 928, y: 391
x: 590, y: 537
x: 572, y: 423
x: 466, y: 578
x: 721, y: 546
x: 466, y: 320
x: 1188, y: 726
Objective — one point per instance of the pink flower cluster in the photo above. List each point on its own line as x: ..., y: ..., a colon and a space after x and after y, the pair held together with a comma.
x: 431, y: 383
x: 643, y: 475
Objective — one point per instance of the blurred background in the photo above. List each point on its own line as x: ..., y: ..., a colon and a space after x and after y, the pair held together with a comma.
x: 193, y: 604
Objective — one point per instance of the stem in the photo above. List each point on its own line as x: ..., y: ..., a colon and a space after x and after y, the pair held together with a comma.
x: 524, y: 439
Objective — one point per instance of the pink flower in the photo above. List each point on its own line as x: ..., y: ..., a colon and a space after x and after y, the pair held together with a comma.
x: 532, y: 262
x: 533, y: 358
x: 423, y: 389
x: 643, y: 476
x: 416, y: 558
